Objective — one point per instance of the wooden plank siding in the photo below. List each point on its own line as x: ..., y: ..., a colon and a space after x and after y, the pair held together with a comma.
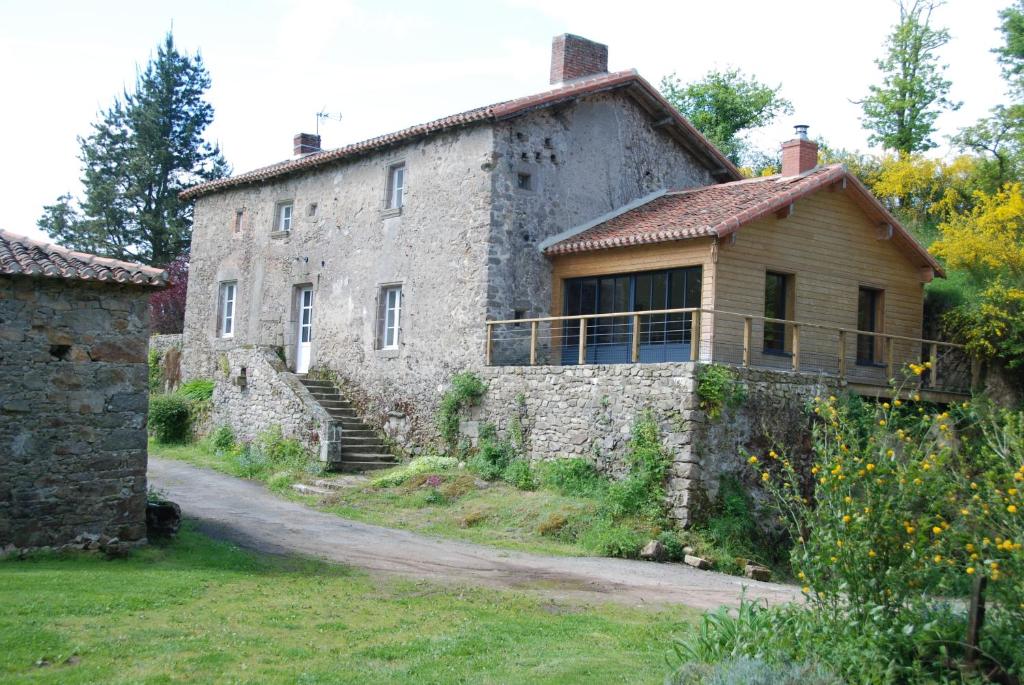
x: 698, y: 252
x: 832, y: 248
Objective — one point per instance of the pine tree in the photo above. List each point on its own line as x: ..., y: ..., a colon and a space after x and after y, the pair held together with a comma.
x: 145, y: 149
x: 901, y: 112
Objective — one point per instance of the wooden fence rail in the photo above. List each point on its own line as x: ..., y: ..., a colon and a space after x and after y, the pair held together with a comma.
x: 703, y: 338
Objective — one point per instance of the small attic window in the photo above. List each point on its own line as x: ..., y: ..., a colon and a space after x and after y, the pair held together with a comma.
x: 311, y: 210
x: 547, y: 142
x: 524, y: 181
x: 239, y: 213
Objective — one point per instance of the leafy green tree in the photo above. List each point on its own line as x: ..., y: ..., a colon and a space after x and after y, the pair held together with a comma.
x: 901, y: 112
x: 1011, y: 54
x: 145, y: 149
x: 724, y: 106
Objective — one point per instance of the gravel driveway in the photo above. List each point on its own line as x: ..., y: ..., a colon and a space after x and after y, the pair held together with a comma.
x: 247, y: 514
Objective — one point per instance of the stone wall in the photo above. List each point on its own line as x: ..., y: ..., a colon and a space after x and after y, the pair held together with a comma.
x: 254, y: 392
x: 73, y: 403
x: 589, y: 411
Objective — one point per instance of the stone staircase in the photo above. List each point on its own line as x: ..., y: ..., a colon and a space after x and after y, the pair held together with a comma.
x: 362, y: 449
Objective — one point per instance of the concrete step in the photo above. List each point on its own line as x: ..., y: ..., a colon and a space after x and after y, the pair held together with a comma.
x: 359, y: 433
x: 356, y: 467
x: 341, y: 412
x: 363, y: 440
x: 311, y: 383
x: 368, y: 455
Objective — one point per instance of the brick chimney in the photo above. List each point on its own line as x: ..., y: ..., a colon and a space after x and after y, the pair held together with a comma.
x: 573, y: 57
x: 800, y: 154
x: 304, y: 143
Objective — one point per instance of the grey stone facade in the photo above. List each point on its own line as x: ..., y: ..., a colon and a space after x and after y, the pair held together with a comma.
x: 73, y: 405
x: 463, y: 248
x: 589, y: 411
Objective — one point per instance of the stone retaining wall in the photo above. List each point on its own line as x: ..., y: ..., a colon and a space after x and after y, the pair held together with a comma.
x: 588, y: 411
x: 254, y: 392
x: 73, y: 406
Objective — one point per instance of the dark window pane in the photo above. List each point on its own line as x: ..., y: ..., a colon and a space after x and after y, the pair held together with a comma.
x: 867, y: 315
x: 775, y: 308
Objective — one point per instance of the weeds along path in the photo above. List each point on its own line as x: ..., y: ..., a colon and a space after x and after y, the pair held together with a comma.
x: 247, y: 514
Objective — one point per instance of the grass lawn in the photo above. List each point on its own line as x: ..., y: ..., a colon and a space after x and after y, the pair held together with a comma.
x: 498, y: 515
x: 199, y: 610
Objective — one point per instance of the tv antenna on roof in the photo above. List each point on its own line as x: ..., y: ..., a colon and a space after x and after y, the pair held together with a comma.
x: 325, y: 115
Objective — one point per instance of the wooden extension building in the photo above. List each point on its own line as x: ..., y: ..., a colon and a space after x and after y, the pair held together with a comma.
x: 804, y: 270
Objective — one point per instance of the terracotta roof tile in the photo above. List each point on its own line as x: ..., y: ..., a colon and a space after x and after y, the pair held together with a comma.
x: 26, y: 257
x: 718, y: 210
x: 495, y: 112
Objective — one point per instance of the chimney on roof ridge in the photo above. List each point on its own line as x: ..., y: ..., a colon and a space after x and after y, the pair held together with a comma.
x: 800, y: 154
x: 305, y: 143
x: 574, y: 57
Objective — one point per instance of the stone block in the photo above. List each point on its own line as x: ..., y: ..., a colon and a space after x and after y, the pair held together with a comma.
x: 697, y: 562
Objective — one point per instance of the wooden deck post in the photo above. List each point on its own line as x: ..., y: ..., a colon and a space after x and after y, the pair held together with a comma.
x: 695, y: 335
x: 635, y: 355
x: 842, y: 355
x: 796, y: 347
x: 748, y: 325
x: 933, y: 357
x: 490, y: 330
x: 533, y: 343
x: 890, y: 366
x: 583, y: 342
x: 975, y: 374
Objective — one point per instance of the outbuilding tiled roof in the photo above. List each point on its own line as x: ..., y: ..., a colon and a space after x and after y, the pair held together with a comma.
x: 719, y: 210
x: 27, y: 257
x: 489, y: 113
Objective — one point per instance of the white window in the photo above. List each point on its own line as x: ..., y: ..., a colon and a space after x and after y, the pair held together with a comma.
x: 396, y: 186
x: 227, y: 309
x: 284, y: 216
x: 389, y: 316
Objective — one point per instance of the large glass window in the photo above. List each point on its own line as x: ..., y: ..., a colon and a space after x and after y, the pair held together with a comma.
x: 227, y: 309
x: 389, y: 315
x: 662, y: 337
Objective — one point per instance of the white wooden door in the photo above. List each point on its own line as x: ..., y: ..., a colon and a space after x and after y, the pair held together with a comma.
x: 305, y: 337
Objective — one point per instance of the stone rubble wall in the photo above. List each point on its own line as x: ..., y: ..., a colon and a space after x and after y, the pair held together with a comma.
x: 589, y: 411
x: 254, y: 392
x: 73, y: 405
x: 161, y: 342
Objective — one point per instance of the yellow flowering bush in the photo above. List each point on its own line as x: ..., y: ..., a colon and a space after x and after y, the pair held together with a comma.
x: 904, y: 505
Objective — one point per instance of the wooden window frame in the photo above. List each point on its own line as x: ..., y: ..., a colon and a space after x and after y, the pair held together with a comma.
x: 788, y: 300
x: 394, y: 194
x: 384, y: 311
x: 878, y: 326
x: 279, y: 216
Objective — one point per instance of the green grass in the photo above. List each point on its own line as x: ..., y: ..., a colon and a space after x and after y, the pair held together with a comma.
x: 198, y: 610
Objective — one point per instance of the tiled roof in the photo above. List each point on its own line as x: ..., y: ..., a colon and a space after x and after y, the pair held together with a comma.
x: 27, y: 257
x: 490, y: 113
x: 718, y: 210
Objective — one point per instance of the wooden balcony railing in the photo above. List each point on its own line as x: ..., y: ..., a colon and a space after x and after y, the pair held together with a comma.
x: 711, y: 335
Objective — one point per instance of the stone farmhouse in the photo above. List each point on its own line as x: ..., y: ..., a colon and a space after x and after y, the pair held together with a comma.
x: 588, y: 231
x: 73, y: 337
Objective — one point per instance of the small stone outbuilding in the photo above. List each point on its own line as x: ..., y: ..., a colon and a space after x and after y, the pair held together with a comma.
x: 74, y: 330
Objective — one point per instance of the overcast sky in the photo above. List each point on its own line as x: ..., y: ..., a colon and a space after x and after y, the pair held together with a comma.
x: 384, y: 66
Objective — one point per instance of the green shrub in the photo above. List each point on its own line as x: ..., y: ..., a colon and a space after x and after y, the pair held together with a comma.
x: 718, y: 387
x: 492, y: 456
x: 156, y: 371
x: 223, y: 439
x: 197, y: 389
x: 465, y: 391
x: 274, y: 459
x: 730, y: 530
x: 574, y: 477
x: 609, y: 539
x: 642, y: 492
x: 747, y: 671
x: 424, y: 464
x: 673, y: 545
x: 170, y: 418
x: 519, y: 474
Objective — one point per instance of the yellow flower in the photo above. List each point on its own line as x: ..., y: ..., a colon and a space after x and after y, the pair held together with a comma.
x: 890, y: 453
x: 881, y: 422
x: 1012, y: 508
x: 970, y: 570
x: 871, y: 553
x: 870, y: 467
x: 910, y: 530
x: 752, y: 460
x: 1011, y: 491
x: 814, y: 469
x: 765, y: 476
x: 848, y: 499
x: 801, y: 575
x: 846, y: 518
x: 937, y: 558
x: 885, y: 405
x: 936, y: 530
x: 806, y: 590
x: 772, y: 454
x: 897, y: 403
